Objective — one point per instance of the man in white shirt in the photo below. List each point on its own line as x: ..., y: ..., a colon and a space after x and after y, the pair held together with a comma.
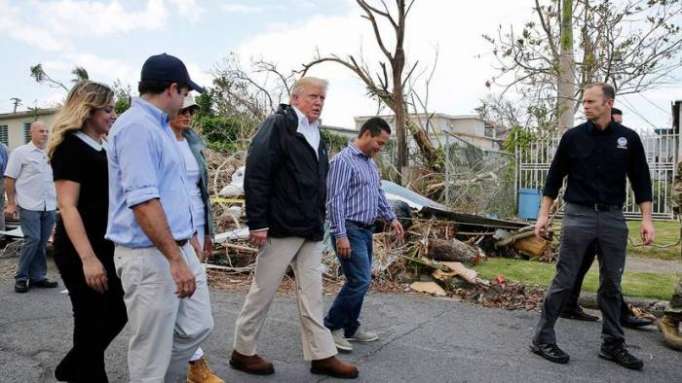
x: 29, y: 185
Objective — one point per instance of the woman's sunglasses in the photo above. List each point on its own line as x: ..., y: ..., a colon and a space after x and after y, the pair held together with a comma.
x: 189, y: 111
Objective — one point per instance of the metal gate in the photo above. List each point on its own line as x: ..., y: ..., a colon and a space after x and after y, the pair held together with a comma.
x: 533, y: 161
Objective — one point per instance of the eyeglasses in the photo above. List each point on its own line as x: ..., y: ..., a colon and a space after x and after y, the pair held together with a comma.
x: 189, y: 111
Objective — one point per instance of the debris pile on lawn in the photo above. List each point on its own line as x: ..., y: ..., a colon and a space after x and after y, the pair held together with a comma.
x: 439, y: 246
x: 508, y: 295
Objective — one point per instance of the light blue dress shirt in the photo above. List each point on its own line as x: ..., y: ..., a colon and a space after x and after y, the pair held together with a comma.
x: 144, y: 164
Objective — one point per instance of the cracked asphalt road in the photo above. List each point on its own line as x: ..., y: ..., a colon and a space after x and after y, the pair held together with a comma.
x: 422, y: 340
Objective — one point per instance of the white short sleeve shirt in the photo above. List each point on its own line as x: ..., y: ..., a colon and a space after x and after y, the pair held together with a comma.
x: 34, y: 183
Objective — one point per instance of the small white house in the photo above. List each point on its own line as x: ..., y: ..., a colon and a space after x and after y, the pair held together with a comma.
x: 15, y: 127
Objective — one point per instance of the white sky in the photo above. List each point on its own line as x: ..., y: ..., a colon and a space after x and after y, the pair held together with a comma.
x: 111, y: 39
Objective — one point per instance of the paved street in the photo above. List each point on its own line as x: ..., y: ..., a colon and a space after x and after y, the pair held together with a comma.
x: 422, y: 340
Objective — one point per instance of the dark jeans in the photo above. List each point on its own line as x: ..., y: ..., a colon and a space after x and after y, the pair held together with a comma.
x: 572, y: 303
x: 98, y: 318
x: 37, y: 227
x: 357, y: 269
x: 584, y: 227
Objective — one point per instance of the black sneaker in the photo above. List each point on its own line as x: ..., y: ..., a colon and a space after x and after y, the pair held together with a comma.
x: 550, y: 351
x: 45, y: 284
x: 578, y: 314
x: 622, y: 356
x: 20, y: 286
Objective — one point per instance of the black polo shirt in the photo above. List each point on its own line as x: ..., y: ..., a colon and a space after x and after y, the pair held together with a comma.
x: 596, y: 162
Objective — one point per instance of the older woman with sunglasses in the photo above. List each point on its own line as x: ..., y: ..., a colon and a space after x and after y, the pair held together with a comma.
x: 191, y: 147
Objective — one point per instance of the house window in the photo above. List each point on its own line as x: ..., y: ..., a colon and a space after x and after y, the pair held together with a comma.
x: 27, y: 132
x: 4, y: 136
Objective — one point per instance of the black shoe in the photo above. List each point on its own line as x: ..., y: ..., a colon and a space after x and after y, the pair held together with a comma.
x: 631, y: 321
x: 45, y: 284
x: 622, y: 356
x: 551, y: 352
x: 578, y: 314
x: 20, y: 286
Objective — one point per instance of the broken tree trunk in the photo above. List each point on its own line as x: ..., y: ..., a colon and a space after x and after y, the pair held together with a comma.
x: 532, y: 246
x: 451, y: 251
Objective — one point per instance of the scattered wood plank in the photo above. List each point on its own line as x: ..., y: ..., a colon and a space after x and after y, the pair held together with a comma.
x: 428, y: 288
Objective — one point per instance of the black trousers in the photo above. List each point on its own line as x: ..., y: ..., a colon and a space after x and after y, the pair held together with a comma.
x: 572, y: 303
x: 584, y: 227
x: 98, y: 318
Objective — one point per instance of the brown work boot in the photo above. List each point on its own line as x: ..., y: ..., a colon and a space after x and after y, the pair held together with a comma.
x: 253, y: 364
x: 670, y: 328
x: 199, y: 372
x: 334, y: 367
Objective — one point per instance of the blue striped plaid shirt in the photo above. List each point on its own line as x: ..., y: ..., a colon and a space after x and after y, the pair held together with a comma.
x: 354, y: 191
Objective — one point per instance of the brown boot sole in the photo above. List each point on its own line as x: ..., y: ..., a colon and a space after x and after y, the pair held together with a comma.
x: 319, y: 371
x: 243, y: 368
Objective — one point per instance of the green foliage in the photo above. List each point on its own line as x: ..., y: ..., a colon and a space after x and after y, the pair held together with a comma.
x: 122, y: 96
x: 518, y: 137
x: 335, y: 142
x: 206, y: 104
x: 226, y: 133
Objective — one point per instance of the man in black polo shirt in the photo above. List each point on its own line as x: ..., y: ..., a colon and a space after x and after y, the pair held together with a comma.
x: 596, y: 157
x: 571, y: 309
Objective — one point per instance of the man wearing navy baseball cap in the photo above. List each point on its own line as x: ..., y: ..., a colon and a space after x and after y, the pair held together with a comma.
x: 150, y: 222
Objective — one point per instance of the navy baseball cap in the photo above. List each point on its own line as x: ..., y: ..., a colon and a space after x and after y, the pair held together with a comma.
x: 165, y: 67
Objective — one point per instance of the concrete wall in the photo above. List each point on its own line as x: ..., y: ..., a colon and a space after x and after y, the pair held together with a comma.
x: 15, y: 123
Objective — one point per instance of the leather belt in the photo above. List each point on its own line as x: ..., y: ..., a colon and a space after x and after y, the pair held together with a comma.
x: 366, y: 226
x: 181, y: 242
x: 600, y: 206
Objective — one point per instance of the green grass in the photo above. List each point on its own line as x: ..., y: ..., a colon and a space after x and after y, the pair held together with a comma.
x: 667, y: 232
x: 635, y: 284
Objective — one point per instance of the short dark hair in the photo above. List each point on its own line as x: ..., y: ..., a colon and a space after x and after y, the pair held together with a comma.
x: 375, y: 125
x: 607, y: 89
x: 616, y: 111
x: 158, y: 87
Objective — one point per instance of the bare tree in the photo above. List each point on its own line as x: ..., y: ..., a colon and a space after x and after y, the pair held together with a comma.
x: 254, y: 92
x: 388, y: 83
x: 38, y: 73
x: 566, y: 74
x: 41, y: 77
x: 634, y: 45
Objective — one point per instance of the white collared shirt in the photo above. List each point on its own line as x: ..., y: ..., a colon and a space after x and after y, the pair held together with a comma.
x: 34, y: 184
x: 311, y: 131
x: 98, y: 146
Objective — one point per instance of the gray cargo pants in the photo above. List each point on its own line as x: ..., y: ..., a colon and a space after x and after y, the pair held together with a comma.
x: 583, y: 226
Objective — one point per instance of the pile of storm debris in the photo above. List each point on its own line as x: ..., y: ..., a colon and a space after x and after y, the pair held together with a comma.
x: 435, y: 257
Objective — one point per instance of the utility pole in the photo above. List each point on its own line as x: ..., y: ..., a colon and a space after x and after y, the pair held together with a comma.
x: 16, y: 101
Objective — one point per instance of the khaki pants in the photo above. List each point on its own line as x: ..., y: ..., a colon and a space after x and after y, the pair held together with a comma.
x: 305, y: 258
x: 166, y: 330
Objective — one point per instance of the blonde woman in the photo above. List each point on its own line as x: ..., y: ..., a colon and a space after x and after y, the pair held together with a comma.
x: 84, y: 258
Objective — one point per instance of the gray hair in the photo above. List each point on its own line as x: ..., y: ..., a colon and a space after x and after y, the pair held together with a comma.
x: 304, y: 82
